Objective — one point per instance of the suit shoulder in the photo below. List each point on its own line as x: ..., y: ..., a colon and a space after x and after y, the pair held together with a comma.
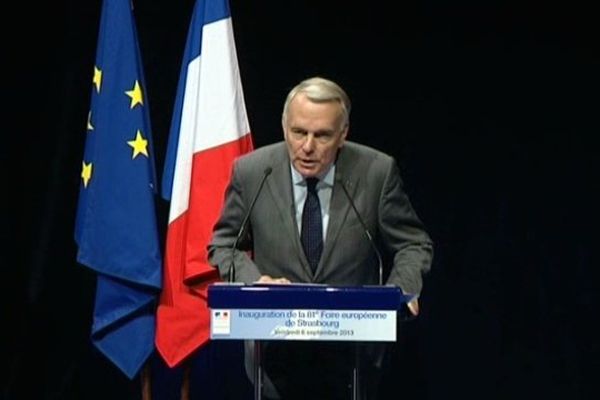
x: 361, y: 151
x: 261, y: 157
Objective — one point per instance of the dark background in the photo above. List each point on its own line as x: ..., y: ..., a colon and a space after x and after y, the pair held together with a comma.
x: 490, y: 108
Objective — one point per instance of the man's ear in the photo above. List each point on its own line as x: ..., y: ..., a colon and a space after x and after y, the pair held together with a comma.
x: 343, y: 136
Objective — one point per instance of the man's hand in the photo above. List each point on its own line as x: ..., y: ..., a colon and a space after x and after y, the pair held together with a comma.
x: 413, y: 307
x: 269, y: 279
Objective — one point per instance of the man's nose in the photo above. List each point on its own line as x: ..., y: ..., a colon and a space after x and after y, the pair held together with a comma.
x: 309, y: 143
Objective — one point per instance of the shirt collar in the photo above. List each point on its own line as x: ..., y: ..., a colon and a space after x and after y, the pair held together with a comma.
x: 326, y: 179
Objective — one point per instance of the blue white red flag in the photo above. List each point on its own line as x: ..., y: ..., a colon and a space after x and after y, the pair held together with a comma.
x: 209, y: 130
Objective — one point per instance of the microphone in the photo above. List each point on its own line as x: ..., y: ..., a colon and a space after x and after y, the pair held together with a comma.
x: 242, y: 230
x: 365, y: 229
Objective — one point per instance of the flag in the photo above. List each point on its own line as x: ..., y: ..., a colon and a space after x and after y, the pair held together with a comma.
x: 209, y: 130
x: 116, y: 230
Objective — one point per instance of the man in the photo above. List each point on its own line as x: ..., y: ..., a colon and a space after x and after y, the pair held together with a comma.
x: 289, y: 244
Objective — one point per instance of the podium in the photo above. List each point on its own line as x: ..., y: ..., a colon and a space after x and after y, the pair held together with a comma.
x: 265, y: 312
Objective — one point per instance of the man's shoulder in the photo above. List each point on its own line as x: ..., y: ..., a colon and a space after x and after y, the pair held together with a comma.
x: 357, y: 150
x: 262, y: 152
x: 262, y: 155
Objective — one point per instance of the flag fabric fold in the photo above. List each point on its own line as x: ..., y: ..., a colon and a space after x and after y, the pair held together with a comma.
x: 116, y: 229
x: 209, y: 130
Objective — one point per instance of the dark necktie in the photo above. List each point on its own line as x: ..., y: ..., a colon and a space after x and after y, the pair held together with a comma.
x: 312, y: 225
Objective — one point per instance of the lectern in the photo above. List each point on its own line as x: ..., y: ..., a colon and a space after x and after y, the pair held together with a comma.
x: 263, y: 312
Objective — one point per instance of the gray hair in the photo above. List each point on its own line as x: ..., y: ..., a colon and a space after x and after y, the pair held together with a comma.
x: 320, y: 90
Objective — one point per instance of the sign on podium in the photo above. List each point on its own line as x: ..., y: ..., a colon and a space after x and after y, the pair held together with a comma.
x: 304, y: 312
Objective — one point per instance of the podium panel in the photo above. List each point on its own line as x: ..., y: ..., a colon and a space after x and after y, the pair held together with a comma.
x: 304, y: 312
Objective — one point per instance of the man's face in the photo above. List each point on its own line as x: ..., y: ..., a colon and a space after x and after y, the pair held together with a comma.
x: 313, y: 132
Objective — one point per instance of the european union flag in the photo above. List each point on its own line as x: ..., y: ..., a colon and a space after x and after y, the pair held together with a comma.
x: 116, y: 228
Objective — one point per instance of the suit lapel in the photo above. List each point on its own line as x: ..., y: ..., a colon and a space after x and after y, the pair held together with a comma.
x: 339, y: 205
x: 280, y: 188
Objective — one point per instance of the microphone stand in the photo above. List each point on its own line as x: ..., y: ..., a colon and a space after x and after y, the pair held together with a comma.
x: 242, y: 230
x: 366, y: 230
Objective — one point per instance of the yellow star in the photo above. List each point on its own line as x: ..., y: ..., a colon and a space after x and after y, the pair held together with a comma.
x: 135, y: 94
x: 90, y: 127
x: 86, y: 173
x: 97, y: 78
x: 140, y: 145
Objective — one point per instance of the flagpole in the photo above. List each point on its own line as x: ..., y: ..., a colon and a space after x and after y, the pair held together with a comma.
x: 146, y: 382
x: 185, y: 383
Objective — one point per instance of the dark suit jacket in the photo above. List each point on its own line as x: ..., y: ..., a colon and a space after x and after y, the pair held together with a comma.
x: 373, y: 180
x: 273, y: 241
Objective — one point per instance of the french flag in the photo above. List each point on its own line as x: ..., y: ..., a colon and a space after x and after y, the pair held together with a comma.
x: 209, y: 131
